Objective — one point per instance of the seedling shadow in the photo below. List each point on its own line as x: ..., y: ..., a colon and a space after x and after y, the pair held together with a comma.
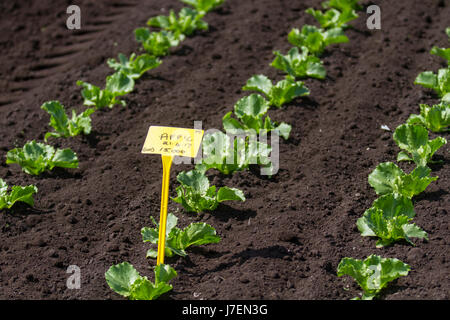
x: 431, y: 195
x: 93, y: 138
x: 61, y: 173
x: 21, y: 210
x: 224, y: 213
x: 184, y: 50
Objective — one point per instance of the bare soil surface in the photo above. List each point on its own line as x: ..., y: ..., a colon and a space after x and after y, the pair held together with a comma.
x: 286, y: 240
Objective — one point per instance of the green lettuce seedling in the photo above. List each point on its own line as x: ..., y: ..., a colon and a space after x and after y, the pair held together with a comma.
x: 372, y: 274
x: 250, y: 111
x: 188, y: 21
x: 135, y: 66
x: 177, y: 240
x: 117, y: 84
x: 342, y: 5
x: 196, y: 195
x: 65, y: 127
x: 439, y: 82
x: 299, y: 65
x: 283, y: 92
x: 389, y: 178
x: 442, y: 52
x: 436, y: 118
x: 17, y: 194
x: 125, y: 280
x: 315, y: 39
x: 157, y: 44
x: 389, y: 219
x: 414, y: 141
x: 227, y: 156
x: 35, y: 158
x: 333, y: 18
x: 204, y: 6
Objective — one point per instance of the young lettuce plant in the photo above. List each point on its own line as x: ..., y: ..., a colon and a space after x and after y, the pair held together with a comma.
x: 414, y: 141
x: 125, y: 280
x: 204, y: 6
x: 157, y: 44
x: 196, y: 195
x: 299, y: 65
x: 439, y: 82
x: 333, y: 18
x: 188, y: 21
x: 388, y: 219
x: 436, y: 118
x: 283, y: 92
x: 342, y: 5
x: 177, y: 240
x: 442, y: 52
x: 65, y: 127
x: 35, y: 158
x: 389, y: 178
x: 222, y: 153
x: 118, y: 84
x: 315, y: 39
x: 135, y: 66
x: 372, y: 274
x: 17, y: 194
x: 250, y: 111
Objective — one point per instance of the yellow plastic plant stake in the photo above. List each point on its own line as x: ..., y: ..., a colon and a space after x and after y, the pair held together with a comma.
x: 169, y: 142
x: 167, y: 163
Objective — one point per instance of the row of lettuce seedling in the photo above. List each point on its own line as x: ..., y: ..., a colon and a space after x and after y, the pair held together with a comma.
x: 250, y: 114
x: 36, y: 158
x: 390, y: 217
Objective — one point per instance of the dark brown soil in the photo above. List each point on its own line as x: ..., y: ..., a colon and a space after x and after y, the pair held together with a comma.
x: 286, y: 240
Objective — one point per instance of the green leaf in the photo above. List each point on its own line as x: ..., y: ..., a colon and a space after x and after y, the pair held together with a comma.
x: 195, y: 194
x: 342, y: 5
x: 17, y: 194
x: 119, y: 84
x: 299, y: 65
x: 372, y: 274
x: 125, y: 280
x: 441, y: 52
x: 389, y: 178
x: 134, y: 67
x: 198, y: 234
x: 157, y: 43
x: 177, y: 240
x: 414, y: 140
x: 315, y: 39
x: 439, y: 82
x: 283, y: 92
x: 436, y: 118
x: 121, y: 278
x: 230, y: 194
x: 35, y: 158
x: 65, y: 127
x: 388, y: 219
x: 333, y: 18
x: 188, y: 21
x: 204, y: 6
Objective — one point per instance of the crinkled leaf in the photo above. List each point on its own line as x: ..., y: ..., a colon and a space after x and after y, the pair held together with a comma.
x: 389, y: 178
x: 230, y: 194
x: 436, y: 118
x: 315, y: 39
x: 333, y: 18
x: 204, y: 6
x: 157, y: 43
x: 372, y: 274
x: 35, y: 158
x: 121, y: 278
x: 299, y: 65
x: 342, y: 5
x: 198, y: 234
x: 414, y: 140
x: 439, y: 82
x: 186, y: 23
x: 134, y: 67
x: 65, y: 127
x: 17, y: 194
x: 388, y: 219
